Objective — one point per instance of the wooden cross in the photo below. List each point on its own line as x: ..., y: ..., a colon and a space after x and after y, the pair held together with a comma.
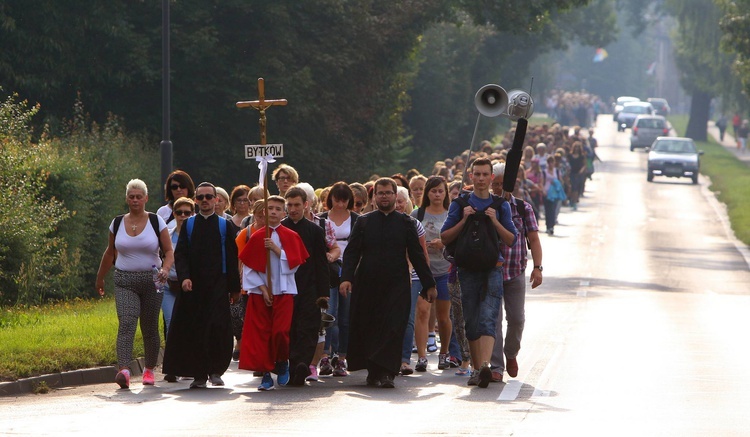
x: 261, y: 105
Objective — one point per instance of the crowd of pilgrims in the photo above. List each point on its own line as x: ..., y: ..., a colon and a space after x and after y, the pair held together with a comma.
x: 555, y: 165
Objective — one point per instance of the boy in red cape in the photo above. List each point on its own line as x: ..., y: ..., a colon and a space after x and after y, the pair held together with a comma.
x: 265, y: 334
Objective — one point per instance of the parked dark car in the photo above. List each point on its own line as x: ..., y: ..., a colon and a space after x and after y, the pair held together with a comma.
x: 646, y: 129
x: 674, y: 157
x: 660, y: 105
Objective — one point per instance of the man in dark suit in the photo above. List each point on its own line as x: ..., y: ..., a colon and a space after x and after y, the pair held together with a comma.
x: 312, y: 284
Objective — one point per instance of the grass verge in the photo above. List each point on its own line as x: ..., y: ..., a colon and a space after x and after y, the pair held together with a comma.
x: 730, y: 179
x: 59, y: 337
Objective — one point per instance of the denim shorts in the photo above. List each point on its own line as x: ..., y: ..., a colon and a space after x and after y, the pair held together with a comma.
x: 481, y: 294
x: 441, y: 285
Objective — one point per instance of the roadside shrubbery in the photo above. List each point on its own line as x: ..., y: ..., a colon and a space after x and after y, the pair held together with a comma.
x: 59, y: 195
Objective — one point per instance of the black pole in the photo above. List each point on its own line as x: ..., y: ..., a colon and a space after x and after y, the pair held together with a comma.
x: 513, y: 160
x: 166, y: 143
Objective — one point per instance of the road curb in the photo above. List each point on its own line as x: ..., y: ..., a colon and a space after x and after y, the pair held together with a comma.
x: 73, y: 378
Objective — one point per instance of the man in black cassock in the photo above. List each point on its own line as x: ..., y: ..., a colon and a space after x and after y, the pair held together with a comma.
x: 199, y: 342
x: 376, y: 273
x: 312, y: 283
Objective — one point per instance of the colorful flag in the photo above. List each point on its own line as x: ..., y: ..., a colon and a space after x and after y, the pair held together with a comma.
x: 600, y: 55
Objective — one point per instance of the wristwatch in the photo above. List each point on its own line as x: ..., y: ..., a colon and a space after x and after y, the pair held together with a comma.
x: 539, y: 267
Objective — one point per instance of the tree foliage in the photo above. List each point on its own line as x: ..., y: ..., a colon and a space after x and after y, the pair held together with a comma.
x: 704, y: 70
x: 346, y: 67
x: 59, y: 196
x: 735, y: 25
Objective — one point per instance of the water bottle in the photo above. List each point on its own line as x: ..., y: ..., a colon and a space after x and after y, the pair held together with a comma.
x: 157, y: 282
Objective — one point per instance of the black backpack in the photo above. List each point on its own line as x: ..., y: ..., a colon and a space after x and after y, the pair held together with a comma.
x: 477, y: 246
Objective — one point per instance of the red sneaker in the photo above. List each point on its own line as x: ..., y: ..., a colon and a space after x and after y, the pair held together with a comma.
x: 148, y: 377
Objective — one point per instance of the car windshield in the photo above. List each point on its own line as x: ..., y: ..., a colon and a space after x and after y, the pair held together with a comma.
x: 636, y: 109
x: 667, y: 146
x: 651, y: 123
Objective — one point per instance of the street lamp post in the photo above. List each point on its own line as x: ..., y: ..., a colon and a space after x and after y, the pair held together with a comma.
x: 166, y: 143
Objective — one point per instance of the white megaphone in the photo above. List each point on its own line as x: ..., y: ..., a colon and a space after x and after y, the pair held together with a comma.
x: 491, y: 100
x: 520, y: 105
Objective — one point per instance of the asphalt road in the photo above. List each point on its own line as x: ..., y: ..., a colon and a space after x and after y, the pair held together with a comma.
x: 640, y: 328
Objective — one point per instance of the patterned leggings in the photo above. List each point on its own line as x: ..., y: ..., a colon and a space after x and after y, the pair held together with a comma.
x: 136, y: 297
x: 457, y: 312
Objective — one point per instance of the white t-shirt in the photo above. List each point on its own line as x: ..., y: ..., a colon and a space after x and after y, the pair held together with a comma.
x: 165, y: 212
x: 342, y: 233
x: 139, y: 253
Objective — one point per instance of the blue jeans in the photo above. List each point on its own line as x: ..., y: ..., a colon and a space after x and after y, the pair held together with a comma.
x: 481, y: 294
x: 416, y: 287
x: 337, y: 336
x: 167, y: 306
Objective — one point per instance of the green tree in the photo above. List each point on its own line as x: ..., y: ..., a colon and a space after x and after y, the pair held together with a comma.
x: 735, y: 25
x: 29, y: 249
x: 703, y: 69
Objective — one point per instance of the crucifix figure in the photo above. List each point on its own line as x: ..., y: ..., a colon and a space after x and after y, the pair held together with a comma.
x: 261, y: 105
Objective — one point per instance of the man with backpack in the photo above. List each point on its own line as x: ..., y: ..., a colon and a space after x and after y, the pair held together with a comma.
x: 476, y: 223
x: 514, y: 279
x: 199, y: 342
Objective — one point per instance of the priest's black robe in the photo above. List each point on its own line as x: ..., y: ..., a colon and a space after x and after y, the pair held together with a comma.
x: 375, y: 262
x: 199, y: 342
x: 312, y: 282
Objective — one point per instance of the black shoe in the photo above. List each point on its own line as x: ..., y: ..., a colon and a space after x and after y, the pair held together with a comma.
x: 216, y: 380
x: 236, y: 355
x: 301, y: 371
x: 387, y: 382
x: 485, y: 376
x: 170, y: 378
x: 372, y: 381
x: 198, y: 383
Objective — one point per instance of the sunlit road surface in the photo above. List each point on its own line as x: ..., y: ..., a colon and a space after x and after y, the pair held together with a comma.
x: 640, y: 328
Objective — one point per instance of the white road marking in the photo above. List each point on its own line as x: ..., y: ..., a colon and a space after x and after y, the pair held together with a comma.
x: 511, y: 390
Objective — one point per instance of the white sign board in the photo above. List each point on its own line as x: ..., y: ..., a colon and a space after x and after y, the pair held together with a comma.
x: 255, y: 151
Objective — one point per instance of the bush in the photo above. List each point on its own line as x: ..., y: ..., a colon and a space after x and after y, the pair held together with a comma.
x: 62, y: 194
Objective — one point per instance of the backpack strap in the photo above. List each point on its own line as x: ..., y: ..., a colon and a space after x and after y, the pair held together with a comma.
x: 115, y: 228
x: 223, y: 232
x: 116, y: 225
x: 154, y: 219
x: 462, y: 201
x: 190, y: 223
x: 420, y: 213
x: 521, y: 206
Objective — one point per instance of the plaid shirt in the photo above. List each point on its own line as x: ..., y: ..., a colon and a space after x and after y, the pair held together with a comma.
x: 515, y: 256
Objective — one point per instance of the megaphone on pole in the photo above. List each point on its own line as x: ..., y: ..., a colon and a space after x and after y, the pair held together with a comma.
x: 517, y: 105
x: 491, y: 100
x: 520, y: 105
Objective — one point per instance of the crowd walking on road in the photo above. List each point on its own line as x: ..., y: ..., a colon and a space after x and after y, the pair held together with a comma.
x: 374, y: 275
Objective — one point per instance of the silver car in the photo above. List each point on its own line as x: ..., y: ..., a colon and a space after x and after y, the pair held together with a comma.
x: 674, y: 157
x: 621, y: 101
x: 630, y: 111
x: 646, y: 128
